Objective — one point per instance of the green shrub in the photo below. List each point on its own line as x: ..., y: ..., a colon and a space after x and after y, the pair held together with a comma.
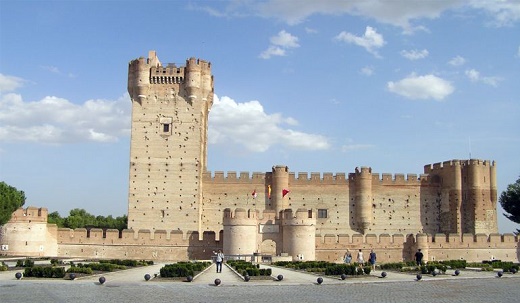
x: 393, y: 266
x: 80, y: 270
x: 248, y: 268
x: 182, y: 269
x: 3, y: 267
x: 25, y: 263
x: 455, y: 264
x: 44, y: 272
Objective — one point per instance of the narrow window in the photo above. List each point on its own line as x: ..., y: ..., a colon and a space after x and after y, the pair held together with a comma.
x: 322, y: 213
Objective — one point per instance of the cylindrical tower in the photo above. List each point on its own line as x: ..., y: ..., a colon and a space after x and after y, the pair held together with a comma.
x: 363, y: 196
x: 456, y: 199
x: 193, y: 82
x: 280, y: 181
x: 472, y: 196
x: 239, y: 232
x: 299, y: 232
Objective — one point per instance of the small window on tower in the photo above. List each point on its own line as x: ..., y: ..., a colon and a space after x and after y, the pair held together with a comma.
x: 166, y: 125
x: 322, y: 214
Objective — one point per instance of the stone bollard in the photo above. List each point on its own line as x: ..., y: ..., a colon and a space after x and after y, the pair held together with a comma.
x: 189, y: 278
x: 419, y: 277
x: 383, y: 274
x: 217, y: 282
x: 147, y: 277
x: 499, y: 274
x: 319, y: 280
x: 247, y: 278
x: 72, y: 276
x: 457, y: 272
x: 102, y: 280
x: 279, y: 277
x: 343, y: 276
x: 18, y: 275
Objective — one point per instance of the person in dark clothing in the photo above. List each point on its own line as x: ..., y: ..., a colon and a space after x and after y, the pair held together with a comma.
x: 418, y: 257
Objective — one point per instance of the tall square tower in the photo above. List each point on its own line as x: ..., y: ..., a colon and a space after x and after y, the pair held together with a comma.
x: 170, y: 107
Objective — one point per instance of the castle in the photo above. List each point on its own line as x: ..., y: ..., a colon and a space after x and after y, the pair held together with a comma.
x: 178, y: 210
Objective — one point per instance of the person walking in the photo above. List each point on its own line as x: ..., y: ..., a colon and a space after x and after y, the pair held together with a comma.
x: 372, y: 259
x: 418, y: 257
x: 347, y: 257
x: 219, y: 259
x: 360, y: 259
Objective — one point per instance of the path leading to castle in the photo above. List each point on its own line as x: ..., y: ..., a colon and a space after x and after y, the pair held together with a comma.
x: 130, y: 286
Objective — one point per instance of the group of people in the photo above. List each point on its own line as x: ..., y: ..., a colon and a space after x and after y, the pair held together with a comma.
x: 373, y: 257
x: 360, y: 259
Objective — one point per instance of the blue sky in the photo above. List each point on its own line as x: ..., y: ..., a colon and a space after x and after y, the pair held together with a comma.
x: 320, y: 86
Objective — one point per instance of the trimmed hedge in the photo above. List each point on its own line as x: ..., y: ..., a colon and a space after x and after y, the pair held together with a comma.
x: 102, y: 266
x: 328, y: 268
x: 25, y: 263
x: 182, y: 269
x: 128, y: 263
x: 80, y: 270
x: 246, y: 268
x: 44, y: 272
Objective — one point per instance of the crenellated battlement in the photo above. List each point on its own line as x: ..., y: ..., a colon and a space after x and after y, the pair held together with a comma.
x: 232, y: 177
x: 29, y: 215
x: 439, y: 166
x: 389, y: 179
x: 194, y: 63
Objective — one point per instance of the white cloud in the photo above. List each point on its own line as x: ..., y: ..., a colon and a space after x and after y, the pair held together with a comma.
x: 518, y: 52
x: 57, y: 120
x: 10, y: 83
x: 504, y: 12
x: 52, y: 69
x: 474, y: 76
x: 400, y: 13
x: 248, y: 125
x: 371, y: 40
x: 414, y: 54
x: 279, y: 44
x: 457, y: 61
x: 422, y: 87
x: 285, y: 40
x: 272, y: 51
x: 367, y: 70
x: 309, y: 30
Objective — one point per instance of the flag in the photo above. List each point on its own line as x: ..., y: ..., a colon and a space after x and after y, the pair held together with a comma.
x: 285, y: 192
x: 269, y: 191
x: 254, y: 194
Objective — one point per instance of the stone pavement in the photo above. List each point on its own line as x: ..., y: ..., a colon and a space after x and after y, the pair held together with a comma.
x: 130, y: 286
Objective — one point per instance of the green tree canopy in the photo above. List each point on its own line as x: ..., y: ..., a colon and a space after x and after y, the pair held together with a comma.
x: 10, y: 200
x: 80, y: 218
x: 510, y: 201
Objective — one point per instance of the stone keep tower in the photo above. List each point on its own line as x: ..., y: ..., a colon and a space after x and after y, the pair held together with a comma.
x: 170, y: 107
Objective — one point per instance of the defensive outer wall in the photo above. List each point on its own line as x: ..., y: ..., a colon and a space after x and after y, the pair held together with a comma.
x: 178, y: 210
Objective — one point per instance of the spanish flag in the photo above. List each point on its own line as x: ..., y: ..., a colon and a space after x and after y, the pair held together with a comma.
x: 285, y: 192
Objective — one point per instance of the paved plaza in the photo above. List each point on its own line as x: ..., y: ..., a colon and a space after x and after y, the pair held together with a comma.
x: 130, y: 286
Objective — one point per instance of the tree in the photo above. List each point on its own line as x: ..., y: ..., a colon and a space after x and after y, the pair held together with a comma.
x: 10, y: 200
x: 510, y: 201
x: 80, y: 218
